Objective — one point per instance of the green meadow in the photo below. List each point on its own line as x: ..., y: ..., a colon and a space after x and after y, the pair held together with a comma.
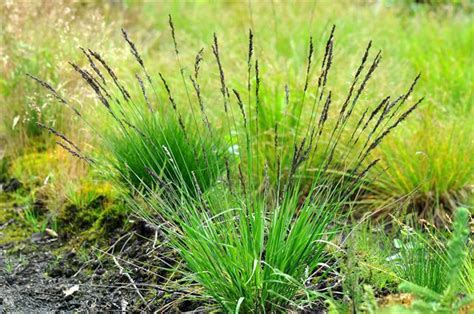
x: 257, y: 156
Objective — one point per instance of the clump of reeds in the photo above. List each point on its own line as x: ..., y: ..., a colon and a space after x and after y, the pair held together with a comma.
x: 252, y: 243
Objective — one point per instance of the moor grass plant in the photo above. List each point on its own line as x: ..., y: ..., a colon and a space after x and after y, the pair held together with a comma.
x: 252, y: 244
x: 432, y: 181
x: 141, y: 155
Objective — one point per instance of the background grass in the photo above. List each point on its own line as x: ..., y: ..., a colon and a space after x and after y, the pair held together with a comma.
x: 430, y: 155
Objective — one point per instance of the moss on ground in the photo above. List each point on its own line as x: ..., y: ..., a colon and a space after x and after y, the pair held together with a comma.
x: 12, y: 231
x: 35, y: 167
x: 77, y: 209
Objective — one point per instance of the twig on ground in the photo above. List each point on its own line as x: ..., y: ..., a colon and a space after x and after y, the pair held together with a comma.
x: 123, y: 272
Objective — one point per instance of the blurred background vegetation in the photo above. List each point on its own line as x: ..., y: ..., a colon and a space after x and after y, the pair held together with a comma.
x: 429, y: 161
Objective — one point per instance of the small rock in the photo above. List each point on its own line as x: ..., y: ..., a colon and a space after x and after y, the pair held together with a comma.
x: 123, y: 305
x: 51, y: 233
x: 36, y: 237
x: 71, y: 290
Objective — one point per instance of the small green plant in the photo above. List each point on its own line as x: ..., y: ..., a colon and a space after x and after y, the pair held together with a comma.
x: 90, y: 192
x: 12, y: 264
x: 33, y: 220
x: 9, y: 265
x: 81, y: 199
x: 363, y: 263
x: 421, y: 259
x: 445, y: 291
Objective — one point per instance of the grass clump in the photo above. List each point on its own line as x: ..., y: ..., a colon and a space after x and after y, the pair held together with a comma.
x: 145, y: 155
x: 429, y: 182
x: 251, y: 244
x: 420, y: 260
x: 253, y: 195
x: 427, y: 259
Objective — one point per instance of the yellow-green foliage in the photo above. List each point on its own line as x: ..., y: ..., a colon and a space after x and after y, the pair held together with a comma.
x: 36, y: 167
x: 30, y: 46
x: 88, y: 190
x: 10, y: 233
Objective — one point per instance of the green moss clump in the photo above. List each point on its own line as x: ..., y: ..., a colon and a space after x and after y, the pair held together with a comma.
x: 34, y: 167
x: 14, y: 231
x: 99, y: 217
x: 111, y: 219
